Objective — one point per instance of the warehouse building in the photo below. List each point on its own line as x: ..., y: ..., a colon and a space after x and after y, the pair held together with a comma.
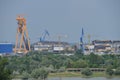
x: 52, y: 46
x: 6, y: 48
x: 116, y: 46
x: 102, y: 45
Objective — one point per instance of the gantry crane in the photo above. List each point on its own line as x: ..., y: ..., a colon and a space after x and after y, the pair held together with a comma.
x: 42, y: 38
x: 22, y: 40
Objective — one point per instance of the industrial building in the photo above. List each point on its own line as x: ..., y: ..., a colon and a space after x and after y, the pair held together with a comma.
x: 52, y: 46
x: 89, y: 48
x: 116, y: 46
x: 6, y: 48
x: 103, y: 46
x: 97, y: 46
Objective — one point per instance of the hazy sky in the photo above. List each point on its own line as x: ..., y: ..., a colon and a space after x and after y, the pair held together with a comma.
x: 100, y: 18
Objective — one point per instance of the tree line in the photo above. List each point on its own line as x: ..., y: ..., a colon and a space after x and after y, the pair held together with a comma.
x: 38, y: 64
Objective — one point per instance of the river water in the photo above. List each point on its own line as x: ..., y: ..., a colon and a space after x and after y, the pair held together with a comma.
x: 78, y: 78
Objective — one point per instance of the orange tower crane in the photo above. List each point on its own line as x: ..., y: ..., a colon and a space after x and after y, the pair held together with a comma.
x: 22, y: 40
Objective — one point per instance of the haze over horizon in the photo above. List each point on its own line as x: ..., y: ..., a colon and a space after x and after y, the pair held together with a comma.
x: 100, y: 18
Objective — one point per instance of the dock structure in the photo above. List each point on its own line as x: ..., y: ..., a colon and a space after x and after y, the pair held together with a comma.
x: 80, y: 69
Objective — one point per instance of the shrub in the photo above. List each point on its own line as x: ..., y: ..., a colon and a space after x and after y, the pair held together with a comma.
x: 5, y: 73
x: 117, y: 71
x: 25, y: 75
x: 86, y: 72
x: 109, y: 71
x: 40, y: 73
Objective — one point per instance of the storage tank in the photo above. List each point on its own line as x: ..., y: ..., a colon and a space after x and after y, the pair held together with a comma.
x: 6, y: 48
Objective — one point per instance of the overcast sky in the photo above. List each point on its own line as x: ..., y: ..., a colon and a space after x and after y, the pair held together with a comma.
x: 100, y: 18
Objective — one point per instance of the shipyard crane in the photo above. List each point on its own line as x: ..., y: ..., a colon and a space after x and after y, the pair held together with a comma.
x: 22, y: 40
x: 45, y: 33
x: 89, y: 37
x: 82, y: 40
x: 60, y: 37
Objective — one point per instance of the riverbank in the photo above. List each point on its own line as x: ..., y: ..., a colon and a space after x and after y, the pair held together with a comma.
x: 78, y: 74
x: 74, y: 75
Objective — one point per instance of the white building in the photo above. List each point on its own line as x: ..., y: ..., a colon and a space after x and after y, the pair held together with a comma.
x: 52, y: 46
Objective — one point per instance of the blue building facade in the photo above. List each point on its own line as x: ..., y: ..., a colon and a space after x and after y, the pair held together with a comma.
x: 6, y: 48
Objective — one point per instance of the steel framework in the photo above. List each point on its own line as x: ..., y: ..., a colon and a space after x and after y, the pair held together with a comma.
x: 22, y: 40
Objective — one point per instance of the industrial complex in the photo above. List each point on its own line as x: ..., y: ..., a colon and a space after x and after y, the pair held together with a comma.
x: 103, y: 46
x: 53, y: 46
x: 22, y: 44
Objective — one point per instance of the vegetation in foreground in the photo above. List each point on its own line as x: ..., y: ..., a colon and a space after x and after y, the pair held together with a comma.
x: 38, y: 65
x: 5, y: 73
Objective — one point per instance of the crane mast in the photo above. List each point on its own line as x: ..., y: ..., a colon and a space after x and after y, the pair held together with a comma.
x: 22, y: 40
x: 42, y: 38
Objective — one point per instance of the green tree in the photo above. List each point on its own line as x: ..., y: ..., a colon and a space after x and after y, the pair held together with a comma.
x: 25, y: 75
x: 86, y: 72
x: 109, y: 62
x: 80, y: 64
x: 40, y: 73
x: 117, y: 71
x: 69, y: 63
x: 109, y: 71
x: 79, y: 53
x: 51, y: 68
x: 62, y: 69
x: 95, y: 60
x: 5, y: 73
